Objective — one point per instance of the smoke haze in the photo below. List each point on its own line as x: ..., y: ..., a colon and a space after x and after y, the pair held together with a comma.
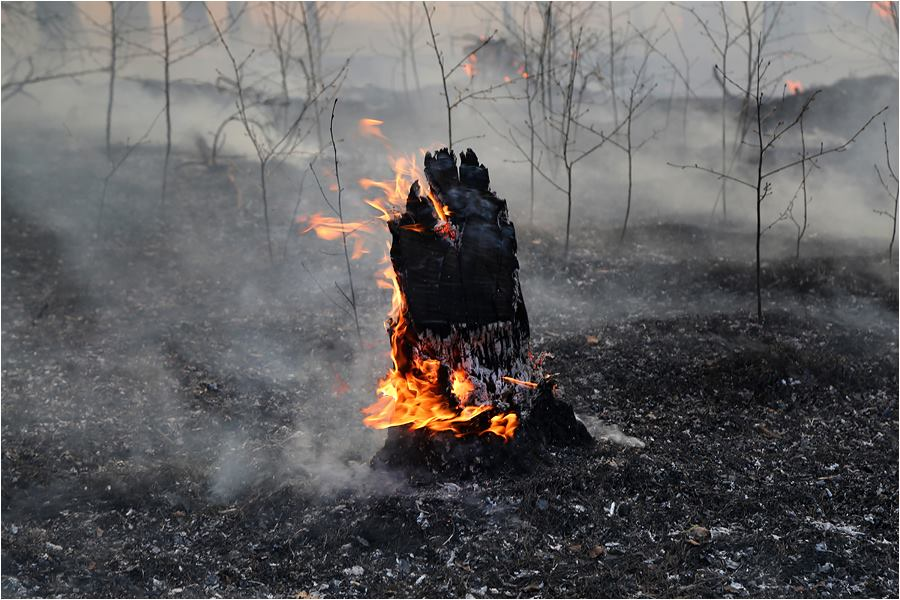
x: 166, y: 337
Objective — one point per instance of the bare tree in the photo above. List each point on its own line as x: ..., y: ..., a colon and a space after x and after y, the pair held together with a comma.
x: 879, y: 43
x: 278, y: 146
x: 566, y: 123
x: 405, y: 21
x: 339, y: 210
x: 311, y: 18
x: 885, y: 184
x: 466, y: 93
x: 133, y: 42
x: 114, y: 166
x: 684, y: 74
x: 16, y: 82
x: 174, y: 51
x: 802, y: 223
x: 166, y: 65
x: 721, y: 48
x: 637, y: 94
x: 761, y: 184
x: 113, y: 45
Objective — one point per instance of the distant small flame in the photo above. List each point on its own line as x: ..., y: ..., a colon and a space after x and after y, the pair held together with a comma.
x: 884, y: 9
x: 793, y: 86
x: 469, y: 66
x: 371, y: 128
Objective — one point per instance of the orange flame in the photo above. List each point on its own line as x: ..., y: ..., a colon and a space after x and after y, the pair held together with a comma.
x: 359, y: 248
x: 793, y: 86
x: 469, y: 66
x: 412, y: 392
x: 528, y: 384
x: 884, y: 9
x: 331, y: 228
x: 462, y: 386
x: 416, y: 392
x: 371, y: 128
x: 395, y: 192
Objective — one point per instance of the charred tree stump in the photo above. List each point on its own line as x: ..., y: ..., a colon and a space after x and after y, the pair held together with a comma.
x: 463, y: 317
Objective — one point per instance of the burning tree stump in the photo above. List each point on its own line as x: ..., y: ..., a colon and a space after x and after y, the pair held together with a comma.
x: 464, y: 388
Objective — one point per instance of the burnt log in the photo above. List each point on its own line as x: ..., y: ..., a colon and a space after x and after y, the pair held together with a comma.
x: 453, y: 252
x: 459, y: 275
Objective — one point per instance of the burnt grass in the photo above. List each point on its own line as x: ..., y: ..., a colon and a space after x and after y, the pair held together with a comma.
x: 146, y: 416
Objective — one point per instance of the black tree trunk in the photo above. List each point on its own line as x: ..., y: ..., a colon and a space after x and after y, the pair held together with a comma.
x: 459, y: 276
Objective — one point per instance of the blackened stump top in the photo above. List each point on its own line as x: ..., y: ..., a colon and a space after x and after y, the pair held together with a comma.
x: 465, y: 275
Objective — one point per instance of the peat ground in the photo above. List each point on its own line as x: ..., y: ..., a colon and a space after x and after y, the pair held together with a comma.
x: 185, y: 423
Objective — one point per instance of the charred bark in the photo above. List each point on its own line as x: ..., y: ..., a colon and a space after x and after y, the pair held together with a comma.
x: 454, y: 253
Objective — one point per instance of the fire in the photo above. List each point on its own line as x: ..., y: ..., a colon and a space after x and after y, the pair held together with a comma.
x: 359, y: 248
x: 331, y: 228
x: 395, y: 193
x: 417, y: 392
x: 470, y: 66
x: 884, y: 9
x: 462, y: 386
x: 371, y: 128
x: 528, y: 384
x: 413, y: 393
x: 793, y: 86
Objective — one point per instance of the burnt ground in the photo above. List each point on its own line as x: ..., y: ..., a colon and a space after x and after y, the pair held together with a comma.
x: 179, y: 422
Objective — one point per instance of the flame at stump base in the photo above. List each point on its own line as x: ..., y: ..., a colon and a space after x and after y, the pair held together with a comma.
x: 459, y: 391
x: 550, y: 422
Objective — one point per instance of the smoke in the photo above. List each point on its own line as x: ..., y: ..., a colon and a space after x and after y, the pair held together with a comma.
x: 173, y: 341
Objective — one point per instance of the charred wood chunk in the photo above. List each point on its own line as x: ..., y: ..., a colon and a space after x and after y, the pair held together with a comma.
x: 458, y: 269
x: 553, y: 422
x: 454, y: 255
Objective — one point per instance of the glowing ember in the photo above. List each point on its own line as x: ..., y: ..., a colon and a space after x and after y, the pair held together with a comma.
x: 794, y: 87
x: 462, y: 386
